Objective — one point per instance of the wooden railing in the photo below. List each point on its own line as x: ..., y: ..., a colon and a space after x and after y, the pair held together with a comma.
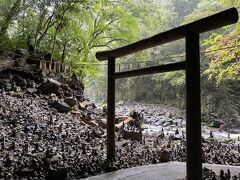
x: 131, y: 65
x: 191, y: 66
x: 56, y: 67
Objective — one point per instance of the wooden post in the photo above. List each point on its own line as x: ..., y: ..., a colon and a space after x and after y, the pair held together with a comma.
x: 54, y: 67
x: 64, y: 68
x: 40, y: 64
x: 45, y: 65
x: 193, y: 103
x: 50, y: 66
x: 59, y: 67
x: 67, y: 68
x: 111, y: 110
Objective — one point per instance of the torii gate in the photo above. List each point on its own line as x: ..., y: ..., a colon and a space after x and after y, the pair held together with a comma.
x: 191, y: 33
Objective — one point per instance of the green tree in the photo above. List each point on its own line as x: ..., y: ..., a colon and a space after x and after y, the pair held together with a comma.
x: 9, y: 12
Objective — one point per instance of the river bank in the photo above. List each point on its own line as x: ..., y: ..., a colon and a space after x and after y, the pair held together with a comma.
x: 170, y: 118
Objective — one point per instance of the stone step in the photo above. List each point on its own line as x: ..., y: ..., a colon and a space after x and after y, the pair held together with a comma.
x: 163, y: 171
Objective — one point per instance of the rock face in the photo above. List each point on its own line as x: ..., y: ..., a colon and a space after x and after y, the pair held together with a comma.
x: 19, y: 81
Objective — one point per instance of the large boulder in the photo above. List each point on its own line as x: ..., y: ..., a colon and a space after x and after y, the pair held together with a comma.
x: 216, y: 124
x: 61, y: 107
x: 20, y: 62
x: 57, y: 173
x: 50, y: 86
x: 68, y: 92
x: 137, y: 136
x: 84, y: 104
x: 75, y: 84
x: 26, y: 172
x: 31, y: 90
x: 70, y: 101
x: 21, y: 53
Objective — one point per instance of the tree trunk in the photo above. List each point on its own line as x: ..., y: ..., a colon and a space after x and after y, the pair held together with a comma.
x: 39, y: 26
x: 13, y: 12
x: 63, y: 53
x: 54, y: 42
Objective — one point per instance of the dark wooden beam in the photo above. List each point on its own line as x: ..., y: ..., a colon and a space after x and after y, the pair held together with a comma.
x: 215, y: 21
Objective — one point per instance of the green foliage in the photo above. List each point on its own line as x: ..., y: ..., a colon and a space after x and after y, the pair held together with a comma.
x: 223, y: 46
x: 204, y: 8
x: 218, y: 66
x: 175, y: 78
x: 71, y: 31
x: 224, y: 64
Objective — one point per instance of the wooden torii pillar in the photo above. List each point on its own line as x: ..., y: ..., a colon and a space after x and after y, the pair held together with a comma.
x: 191, y: 33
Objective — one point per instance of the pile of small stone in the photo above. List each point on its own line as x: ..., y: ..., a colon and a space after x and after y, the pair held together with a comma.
x: 213, y: 153
x: 222, y: 153
x: 208, y: 174
x: 38, y: 141
x: 49, y: 130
